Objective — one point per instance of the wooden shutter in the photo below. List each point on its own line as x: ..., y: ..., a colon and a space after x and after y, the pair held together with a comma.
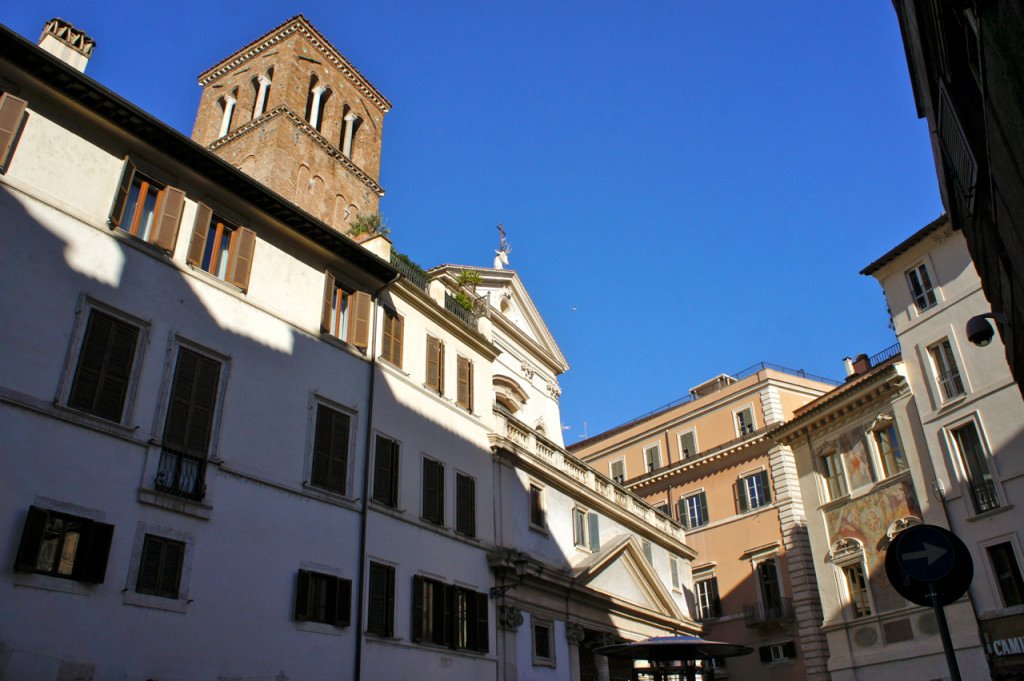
x: 716, y: 601
x: 464, y: 391
x: 28, y: 550
x: 465, y: 505
x: 385, y: 471
x: 104, y: 367
x: 302, y: 596
x: 192, y: 402
x: 381, y: 601
x: 766, y: 653
x: 360, y: 307
x: 434, y: 363
x: 789, y: 650
x: 593, y: 528
x: 170, y: 570
x: 482, y: 642
x: 392, y: 341
x: 127, y: 173
x: 674, y: 567
x: 241, y: 258
x: 327, y: 309
x: 343, y: 602
x: 330, y: 449
x: 197, y: 247
x: 12, y: 111
x: 444, y: 613
x: 165, y: 230
x: 91, y: 564
x: 689, y: 445
x: 433, y: 491
x: 417, y: 608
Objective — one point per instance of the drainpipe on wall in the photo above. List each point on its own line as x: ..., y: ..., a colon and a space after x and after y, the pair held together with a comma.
x: 364, y: 502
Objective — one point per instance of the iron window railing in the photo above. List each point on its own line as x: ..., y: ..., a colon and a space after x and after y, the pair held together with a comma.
x: 181, y: 474
x: 757, y: 614
x: 952, y: 384
x: 984, y: 494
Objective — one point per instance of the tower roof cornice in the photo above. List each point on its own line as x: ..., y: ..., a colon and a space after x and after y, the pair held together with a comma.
x: 297, y: 24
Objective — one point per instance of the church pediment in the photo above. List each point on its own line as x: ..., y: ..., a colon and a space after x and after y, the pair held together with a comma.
x: 621, y: 571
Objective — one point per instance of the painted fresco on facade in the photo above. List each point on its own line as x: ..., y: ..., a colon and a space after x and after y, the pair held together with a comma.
x: 858, y: 464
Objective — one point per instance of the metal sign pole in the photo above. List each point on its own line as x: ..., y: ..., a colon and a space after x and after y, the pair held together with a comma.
x: 947, y: 640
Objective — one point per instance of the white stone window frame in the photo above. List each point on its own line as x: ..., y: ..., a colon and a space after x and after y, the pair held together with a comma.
x: 843, y: 553
x: 936, y: 290
x: 742, y: 481
x: 704, y: 573
x: 959, y: 465
x: 753, y: 419
x: 690, y: 494
x: 541, y: 500
x: 656, y: 448
x: 696, y: 444
x: 935, y: 372
x: 819, y: 465
x: 611, y: 470
x: 758, y: 556
x: 179, y: 604
x: 992, y: 581
x: 539, y: 661
x: 316, y: 399
x: 581, y: 542
x: 84, y: 309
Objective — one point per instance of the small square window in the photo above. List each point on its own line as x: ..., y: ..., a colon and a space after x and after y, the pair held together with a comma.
x: 160, y: 567
x: 323, y: 598
x: 64, y: 545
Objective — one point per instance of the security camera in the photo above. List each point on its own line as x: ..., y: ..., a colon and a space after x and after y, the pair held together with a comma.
x: 979, y: 331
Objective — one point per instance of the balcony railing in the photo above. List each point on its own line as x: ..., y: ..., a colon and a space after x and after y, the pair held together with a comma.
x: 952, y: 384
x: 888, y: 353
x: 181, y: 474
x: 410, y: 272
x: 984, y: 494
x: 453, y: 306
x: 759, y: 614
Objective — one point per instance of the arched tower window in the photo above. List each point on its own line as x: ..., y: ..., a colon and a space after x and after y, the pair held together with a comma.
x: 227, y: 105
x: 350, y: 126
x: 261, y: 88
x: 316, y: 101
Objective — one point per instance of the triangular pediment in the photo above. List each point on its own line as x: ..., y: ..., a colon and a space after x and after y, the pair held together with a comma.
x: 621, y: 571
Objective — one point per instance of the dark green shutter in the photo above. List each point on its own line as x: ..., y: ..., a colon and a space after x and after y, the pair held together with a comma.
x: 343, y: 603
x: 482, y: 627
x: 767, y: 488
x: 302, y: 596
x: 740, y: 493
x: 91, y: 563
x: 28, y: 550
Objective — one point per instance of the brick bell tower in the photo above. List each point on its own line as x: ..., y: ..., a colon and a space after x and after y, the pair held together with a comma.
x: 292, y: 112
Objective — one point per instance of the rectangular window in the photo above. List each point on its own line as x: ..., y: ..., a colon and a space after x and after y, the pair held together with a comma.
x: 385, y: 472
x: 708, y: 603
x: 1007, y: 573
x: 652, y: 457
x: 464, y: 391
x: 391, y: 348
x: 433, y: 491
x: 688, y: 444
x: 189, y: 425
x: 745, y: 422
x: 64, y: 545
x: 338, y: 318
x: 857, y: 590
x: 947, y: 374
x: 753, y: 491
x: 330, y: 450
x: 975, y: 463
x: 673, y: 565
x: 160, y: 567
x: 346, y: 314
x: 12, y: 114
x: 380, y: 606
x: 664, y: 509
x: 693, y: 510
x: 543, y: 643
x: 888, y: 445
x: 146, y: 209
x: 618, y: 471
x: 323, y: 598
x: 221, y: 248
x: 648, y: 551
x: 921, y: 287
x: 447, y: 615
x: 770, y: 589
x: 833, y: 474
x: 777, y: 652
x: 104, y: 371
x: 465, y: 505
x: 579, y: 526
x: 435, y: 365
x: 536, y: 506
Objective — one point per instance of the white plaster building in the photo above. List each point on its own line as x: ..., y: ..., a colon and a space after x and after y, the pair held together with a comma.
x: 238, y: 445
x: 972, y: 418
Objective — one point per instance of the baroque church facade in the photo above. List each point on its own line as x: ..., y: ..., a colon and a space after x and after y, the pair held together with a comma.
x: 238, y: 444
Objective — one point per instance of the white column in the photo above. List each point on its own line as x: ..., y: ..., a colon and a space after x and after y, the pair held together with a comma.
x: 314, y: 110
x: 261, y: 96
x: 229, y: 108
x: 346, y: 146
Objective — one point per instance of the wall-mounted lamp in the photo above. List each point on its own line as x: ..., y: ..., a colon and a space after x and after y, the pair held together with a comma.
x: 520, y: 566
x: 979, y: 331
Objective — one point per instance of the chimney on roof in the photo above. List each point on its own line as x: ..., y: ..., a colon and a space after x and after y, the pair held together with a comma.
x: 861, y: 364
x: 67, y: 43
x: 848, y: 365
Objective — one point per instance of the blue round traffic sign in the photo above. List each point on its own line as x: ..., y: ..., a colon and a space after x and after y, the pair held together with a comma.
x: 926, y: 553
x: 928, y: 564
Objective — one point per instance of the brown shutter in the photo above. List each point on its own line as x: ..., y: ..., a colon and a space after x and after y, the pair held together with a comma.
x: 327, y: 311
x: 241, y: 261
x: 165, y: 231
x: 92, y: 566
x: 28, y: 550
x: 170, y: 573
x: 417, y: 608
x: 359, y: 310
x: 192, y: 403
x: 464, y: 383
x: 433, y: 491
x: 127, y: 173
x: 433, y: 350
x: 385, y: 473
x: 343, y: 603
x: 104, y: 367
x: 199, y: 229
x: 12, y: 110
x: 392, y: 338
x: 465, y: 505
x: 482, y: 629
x: 302, y: 596
x: 397, y: 338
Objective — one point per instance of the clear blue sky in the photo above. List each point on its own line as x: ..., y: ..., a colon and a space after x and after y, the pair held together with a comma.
x: 701, y: 181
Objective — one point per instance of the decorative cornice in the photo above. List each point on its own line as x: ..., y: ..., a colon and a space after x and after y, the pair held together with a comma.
x: 299, y: 24
x: 311, y: 133
x: 662, y: 475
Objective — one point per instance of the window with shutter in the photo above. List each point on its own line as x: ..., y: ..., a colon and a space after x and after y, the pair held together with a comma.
x: 385, y: 471
x: 433, y: 491
x: 391, y: 348
x: 652, y: 457
x: 330, y: 450
x: 221, y: 248
x: 147, y: 209
x: 579, y: 526
x: 693, y: 510
x: 188, y: 427
x: 648, y: 552
x: 618, y: 471
x: 537, y: 507
x: 12, y: 114
x: 323, y: 598
x: 380, y: 607
x: 674, y: 568
x: 688, y: 444
x: 744, y: 422
x: 465, y: 505
x: 64, y: 545
x: 921, y: 288
x: 435, y: 365
x: 334, y: 316
x: 593, y: 529
x: 708, y: 602
x: 160, y: 567
x: 104, y: 370
x: 464, y: 392
x: 753, y: 492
